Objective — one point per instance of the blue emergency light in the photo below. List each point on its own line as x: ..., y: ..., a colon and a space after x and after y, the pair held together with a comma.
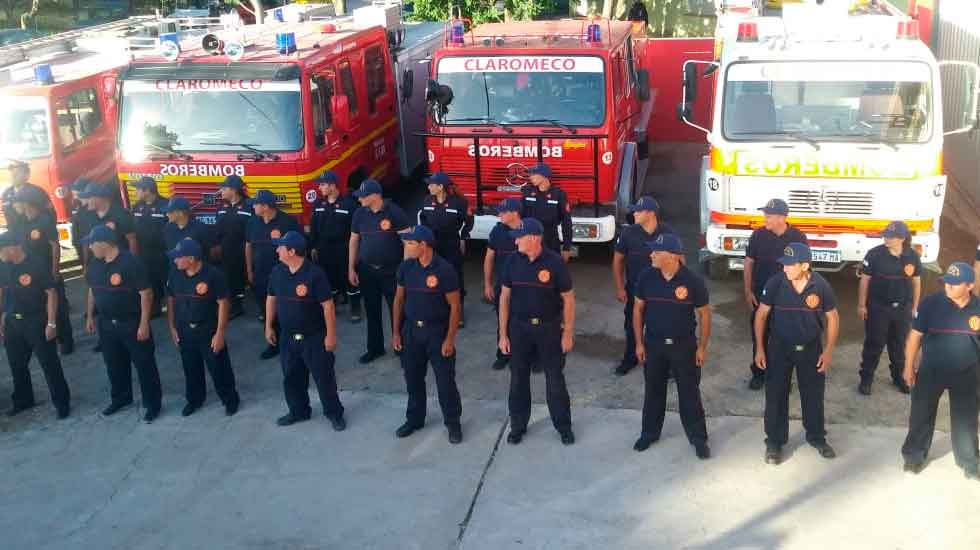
x: 593, y: 33
x: 278, y: 15
x: 43, y: 75
x: 285, y: 42
x: 457, y: 32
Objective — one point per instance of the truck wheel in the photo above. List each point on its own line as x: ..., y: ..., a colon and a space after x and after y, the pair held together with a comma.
x: 716, y: 269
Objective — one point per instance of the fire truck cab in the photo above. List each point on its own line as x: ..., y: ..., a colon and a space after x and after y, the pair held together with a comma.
x: 505, y: 96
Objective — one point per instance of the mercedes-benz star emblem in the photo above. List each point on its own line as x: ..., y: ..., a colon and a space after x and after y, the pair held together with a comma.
x: 517, y: 174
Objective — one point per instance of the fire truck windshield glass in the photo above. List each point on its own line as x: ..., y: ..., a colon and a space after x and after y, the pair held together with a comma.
x: 509, y: 89
x: 846, y: 101
x: 24, y: 128
x: 194, y: 115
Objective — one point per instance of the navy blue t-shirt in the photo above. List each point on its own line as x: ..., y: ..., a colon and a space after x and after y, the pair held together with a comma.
x: 196, y: 296
x: 149, y: 221
x: 300, y: 297
x: 536, y: 287
x: 116, y: 285
x: 449, y: 220
x: 766, y: 248
x: 669, y: 306
x: 380, y: 243
x: 551, y: 208
x: 260, y: 234
x: 331, y: 221
x: 891, y: 276
x: 117, y: 219
x: 503, y: 245
x: 951, y: 334
x: 37, y: 236
x: 230, y: 225
x: 632, y: 243
x: 25, y: 286
x: 798, y: 317
x: 426, y: 288
x: 200, y: 232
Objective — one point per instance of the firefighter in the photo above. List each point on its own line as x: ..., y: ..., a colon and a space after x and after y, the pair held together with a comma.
x: 672, y: 304
x: 230, y: 225
x: 29, y: 324
x: 549, y: 205
x: 268, y: 223
x: 150, y: 219
x: 537, y: 305
x: 947, y: 327
x: 198, y: 316
x: 631, y: 257
x: 20, y: 173
x: 804, y: 324
x: 976, y: 268
x: 120, y: 288
x: 447, y: 214
x: 330, y: 240
x: 301, y: 299
x: 762, y: 254
x: 38, y: 231
x: 375, y: 254
x: 888, y: 296
x: 81, y: 220
x: 426, y: 316
x: 106, y: 211
x: 181, y: 225
x: 500, y: 248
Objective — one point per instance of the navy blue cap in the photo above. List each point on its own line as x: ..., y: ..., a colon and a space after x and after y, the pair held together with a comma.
x: 233, y: 181
x: 368, y: 187
x: 146, y: 183
x: 100, y: 234
x: 796, y: 253
x: 666, y: 242
x: 291, y: 239
x: 30, y: 195
x: 509, y: 205
x: 896, y: 230
x: 776, y: 206
x: 186, y: 247
x: 645, y: 204
x: 327, y: 177
x: 177, y: 203
x: 8, y: 238
x: 80, y: 185
x: 529, y: 226
x: 958, y: 273
x: 439, y: 178
x: 421, y: 234
x: 264, y: 196
x: 93, y: 190
x: 540, y: 169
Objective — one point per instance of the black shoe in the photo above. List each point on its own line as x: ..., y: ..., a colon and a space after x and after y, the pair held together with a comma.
x: 269, y: 352
x: 623, y: 368
x: 702, y: 451
x: 67, y: 348
x: 17, y: 409
x: 901, y: 386
x: 774, y: 455
x: 864, y: 388
x: 500, y: 363
x: 407, y: 429
x: 455, y: 434
x: 370, y: 356
x: 757, y: 382
x: 824, y: 449
x: 338, y: 422
x: 515, y: 436
x: 189, y: 409
x: 232, y: 408
x: 913, y: 467
x: 113, y: 408
x: 289, y: 419
x: 644, y: 442
x: 567, y: 437
x: 150, y: 415
x: 971, y: 474
x: 64, y: 412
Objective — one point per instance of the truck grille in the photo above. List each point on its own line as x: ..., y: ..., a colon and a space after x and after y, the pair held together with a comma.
x: 830, y: 203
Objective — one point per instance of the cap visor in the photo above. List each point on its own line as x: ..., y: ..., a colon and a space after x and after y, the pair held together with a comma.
x: 173, y: 254
x: 788, y: 261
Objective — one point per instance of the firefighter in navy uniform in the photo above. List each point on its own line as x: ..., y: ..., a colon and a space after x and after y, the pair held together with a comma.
x: 671, y: 303
x: 330, y: 240
x: 198, y: 315
x: 300, y: 297
x: 500, y: 248
x: 447, y: 214
x: 230, y: 225
x: 268, y: 223
x: 181, y: 225
x: 631, y: 258
x: 375, y: 254
x: 28, y: 326
x: 549, y: 205
x: 762, y: 254
x: 888, y: 296
x: 426, y: 314
x: 81, y: 220
x: 38, y: 231
x: 20, y: 173
x: 119, y: 286
x: 537, y: 305
x: 149, y: 219
x: 103, y: 201
x: 947, y: 328
x: 802, y: 309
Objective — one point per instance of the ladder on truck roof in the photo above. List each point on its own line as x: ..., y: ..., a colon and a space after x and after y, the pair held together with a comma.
x: 66, y: 41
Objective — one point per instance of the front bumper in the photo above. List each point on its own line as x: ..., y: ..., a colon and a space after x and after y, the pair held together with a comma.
x: 585, y: 230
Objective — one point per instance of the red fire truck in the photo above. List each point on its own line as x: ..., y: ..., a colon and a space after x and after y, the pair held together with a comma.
x: 505, y: 96
x: 276, y: 104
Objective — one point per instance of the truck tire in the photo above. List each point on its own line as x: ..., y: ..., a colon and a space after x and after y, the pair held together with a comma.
x: 716, y: 269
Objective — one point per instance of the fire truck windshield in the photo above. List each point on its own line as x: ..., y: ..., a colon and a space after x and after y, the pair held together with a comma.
x: 846, y: 101
x: 24, y: 128
x: 514, y: 90
x: 209, y: 115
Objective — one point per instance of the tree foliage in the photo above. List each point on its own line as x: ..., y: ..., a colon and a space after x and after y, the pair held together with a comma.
x: 480, y: 11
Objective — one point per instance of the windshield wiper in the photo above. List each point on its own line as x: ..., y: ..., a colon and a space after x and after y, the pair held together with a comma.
x: 486, y: 119
x: 551, y: 121
x: 259, y: 154
x: 169, y: 150
x: 799, y: 136
x: 869, y: 138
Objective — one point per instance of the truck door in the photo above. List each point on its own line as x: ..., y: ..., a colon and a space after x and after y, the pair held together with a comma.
x: 83, y: 140
x: 328, y: 140
x: 357, y: 128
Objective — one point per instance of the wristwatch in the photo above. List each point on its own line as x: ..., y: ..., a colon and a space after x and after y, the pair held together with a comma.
x: 52, y: 325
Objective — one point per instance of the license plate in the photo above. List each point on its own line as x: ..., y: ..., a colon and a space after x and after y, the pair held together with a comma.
x: 209, y: 219
x: 826, y: 256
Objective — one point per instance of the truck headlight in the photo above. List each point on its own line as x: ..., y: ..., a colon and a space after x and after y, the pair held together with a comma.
x: 585, y: 231
x: 735, y: 244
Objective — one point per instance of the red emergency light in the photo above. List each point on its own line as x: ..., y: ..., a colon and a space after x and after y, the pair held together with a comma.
x: 328, y: 28
x: 908, y: 30
x: 748, y: 32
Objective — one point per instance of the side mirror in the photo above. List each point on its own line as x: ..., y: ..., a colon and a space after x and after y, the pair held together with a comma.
x: 438, y: 93
x: 690, y: 81
x: 962, y: 78
x: 340, y: 110
x: 643, y: 84
x: 408, y: 84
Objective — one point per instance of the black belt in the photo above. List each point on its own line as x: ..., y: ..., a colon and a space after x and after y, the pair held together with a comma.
x: 117, y: 321
x: 300, y: 336
x: 22, y: 316
x: 422, y: 324
x: 203, y: 324
x: 537, y: 321
x: 672, y: 341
